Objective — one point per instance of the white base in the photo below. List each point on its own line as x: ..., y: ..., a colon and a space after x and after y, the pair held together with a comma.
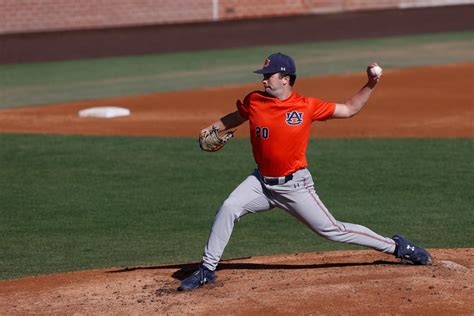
x: 104, y: 112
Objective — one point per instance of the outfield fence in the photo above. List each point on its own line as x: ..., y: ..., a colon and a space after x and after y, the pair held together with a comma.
x: 26, y: 16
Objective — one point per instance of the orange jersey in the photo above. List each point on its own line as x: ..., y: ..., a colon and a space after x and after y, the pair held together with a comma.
x: 280, y: 129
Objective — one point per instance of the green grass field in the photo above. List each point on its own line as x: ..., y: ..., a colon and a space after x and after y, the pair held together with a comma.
x: 52, y: 82
x: 70, y: 203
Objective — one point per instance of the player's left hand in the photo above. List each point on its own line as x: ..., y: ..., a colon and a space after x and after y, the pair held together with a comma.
x: 210, y: 139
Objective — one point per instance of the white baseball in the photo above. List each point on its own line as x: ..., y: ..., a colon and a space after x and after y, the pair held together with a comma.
x: 375, y: 71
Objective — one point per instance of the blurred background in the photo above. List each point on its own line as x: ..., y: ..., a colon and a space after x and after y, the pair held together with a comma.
x: 58, y: 15
x: 65, y: 50
x: 32, y: 30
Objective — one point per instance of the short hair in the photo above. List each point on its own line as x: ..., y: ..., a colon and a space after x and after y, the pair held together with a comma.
x: 292, y: 77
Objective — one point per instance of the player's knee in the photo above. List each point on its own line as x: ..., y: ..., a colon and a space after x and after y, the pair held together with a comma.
x: 331, y: 231
x: 230, y: 208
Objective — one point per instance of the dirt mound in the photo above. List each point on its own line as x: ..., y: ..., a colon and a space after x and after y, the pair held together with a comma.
x: 339, y: 282
x: 415, y: 102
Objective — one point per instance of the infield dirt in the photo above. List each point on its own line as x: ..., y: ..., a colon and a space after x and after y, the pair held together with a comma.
x: 416, y: 102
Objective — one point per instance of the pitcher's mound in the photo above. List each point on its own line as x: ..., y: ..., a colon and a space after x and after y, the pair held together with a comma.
x: 340, y: 282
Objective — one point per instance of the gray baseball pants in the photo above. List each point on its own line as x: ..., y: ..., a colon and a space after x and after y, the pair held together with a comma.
x: 298, y: 197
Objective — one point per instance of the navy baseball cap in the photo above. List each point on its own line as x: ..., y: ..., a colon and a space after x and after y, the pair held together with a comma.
x: 278, y: 63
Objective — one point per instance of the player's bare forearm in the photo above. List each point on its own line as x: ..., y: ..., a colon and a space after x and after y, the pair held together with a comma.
x: 356, y: 103
x: 227, y: 122
x: 360, y: 99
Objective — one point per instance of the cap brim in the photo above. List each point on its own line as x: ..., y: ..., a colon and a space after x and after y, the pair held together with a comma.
x: 264, y: 71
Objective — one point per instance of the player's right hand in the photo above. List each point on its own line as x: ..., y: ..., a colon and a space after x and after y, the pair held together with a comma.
x: 374, y: 75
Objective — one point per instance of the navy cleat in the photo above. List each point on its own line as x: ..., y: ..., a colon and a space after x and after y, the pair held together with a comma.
x: 200, y: 277
x: 406, y: 250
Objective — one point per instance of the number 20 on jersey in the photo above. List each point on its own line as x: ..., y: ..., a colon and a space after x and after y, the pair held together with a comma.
x: 262, y: 132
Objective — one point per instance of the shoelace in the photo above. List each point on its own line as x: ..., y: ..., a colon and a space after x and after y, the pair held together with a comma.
x: 200, y: 275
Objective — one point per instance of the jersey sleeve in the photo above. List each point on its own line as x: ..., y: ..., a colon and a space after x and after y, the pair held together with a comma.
x: 322, y: 110
x: 244, y: 106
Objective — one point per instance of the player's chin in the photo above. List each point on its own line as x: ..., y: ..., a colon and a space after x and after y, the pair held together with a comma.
x: 269, y: 90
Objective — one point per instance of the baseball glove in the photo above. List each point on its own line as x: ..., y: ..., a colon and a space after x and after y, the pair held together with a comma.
x: 211, y: 140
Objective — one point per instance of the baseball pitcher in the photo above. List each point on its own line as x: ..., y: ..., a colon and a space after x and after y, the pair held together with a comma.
x: 280, y: 121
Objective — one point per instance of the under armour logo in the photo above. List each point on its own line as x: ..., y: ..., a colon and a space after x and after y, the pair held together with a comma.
x: 412, y: 248
x: 294, y: 118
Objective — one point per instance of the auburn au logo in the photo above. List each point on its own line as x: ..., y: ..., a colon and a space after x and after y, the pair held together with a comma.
x: 294, y: 118
x: 266, y: 63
